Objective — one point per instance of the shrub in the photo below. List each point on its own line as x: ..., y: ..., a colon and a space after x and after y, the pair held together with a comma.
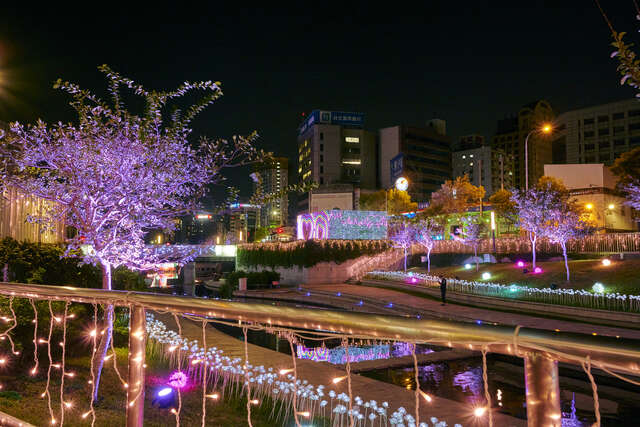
x: 307, y: 253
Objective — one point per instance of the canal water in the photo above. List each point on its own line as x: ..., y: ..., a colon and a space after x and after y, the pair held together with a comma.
x: 461, y: 381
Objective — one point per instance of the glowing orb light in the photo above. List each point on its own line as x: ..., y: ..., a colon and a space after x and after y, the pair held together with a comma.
x: 606, y: 262
x: 178, y: 379
x: 414, y: 280
x: 402, y: 184
x: 478, y: 412
x: 467, y: 266
x: 537, y: 270
x: 165, y: 391
x: 598, y: 288
x: 520, y: 264
x: 486, y: 275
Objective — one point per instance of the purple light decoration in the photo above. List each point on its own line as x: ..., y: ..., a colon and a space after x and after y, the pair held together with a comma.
x: 537, y: 270
x: 520, y: 264
x: 165, y: 391
x: 414, y: 280
x: 178, y: 379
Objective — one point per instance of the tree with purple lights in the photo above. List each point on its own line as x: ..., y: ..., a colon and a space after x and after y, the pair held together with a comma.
x: 633, y: 194
x: 565, y: 223
x: 425, y: 232
x: 401, y: 234
x: 534, y: 207
x: 472, y: 234
x: 115, y: 175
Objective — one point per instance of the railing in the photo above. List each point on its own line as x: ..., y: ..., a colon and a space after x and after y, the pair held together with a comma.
x: 597, y: 243
x: 541, y: 349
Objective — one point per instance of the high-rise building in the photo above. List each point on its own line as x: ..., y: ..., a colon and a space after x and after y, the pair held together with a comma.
x: 244, y: 220
x: 510, y: 139
x: 597, y: 134
x: 420, y: 154
x: 273, y: 179
x: 477, y: 164
x: 334, y: 148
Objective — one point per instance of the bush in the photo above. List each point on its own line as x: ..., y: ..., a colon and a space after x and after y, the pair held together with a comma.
x: 307, y: 253
x: 254, y: 278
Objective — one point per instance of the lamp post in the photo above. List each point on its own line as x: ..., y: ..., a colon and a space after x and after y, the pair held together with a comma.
x: 546, y: 128
x: 401, y: 184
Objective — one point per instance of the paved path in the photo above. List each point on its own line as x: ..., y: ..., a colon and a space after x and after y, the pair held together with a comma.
x: 322, y: 373
x: 433, y: 308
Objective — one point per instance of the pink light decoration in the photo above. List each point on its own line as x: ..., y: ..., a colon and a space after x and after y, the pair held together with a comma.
x: 520, y: 264
x: 414, y: 280
x: 537, y: 270
x: 178, y: 379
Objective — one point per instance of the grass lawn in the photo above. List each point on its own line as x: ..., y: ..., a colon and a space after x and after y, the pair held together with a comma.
x: 621, y: 276
x: 20, y: 397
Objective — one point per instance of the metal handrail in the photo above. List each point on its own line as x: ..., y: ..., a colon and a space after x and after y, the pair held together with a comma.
x: 622, y: 355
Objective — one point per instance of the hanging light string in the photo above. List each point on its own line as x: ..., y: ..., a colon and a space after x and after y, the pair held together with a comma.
x: 62, y: 362
x: 34, y: 371
x: 179, y: 357
x: 15, y: 323
x: 415, y: 371
x: 486, y: 385
x: 46, y: 393
x: 246, y: 376
x: 345, y: 343
x: 113, y: 350
x: 94, y: 336
x: 586, y: 365
x: 291, y: 339
x: 204, y: 371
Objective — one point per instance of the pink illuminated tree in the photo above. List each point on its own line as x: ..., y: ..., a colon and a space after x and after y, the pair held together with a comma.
x: 633, y: 194
x: 402, y: 234
x: 426, y: 231
x: 115, y: 175
x: 534, y: 207
x: 565, y: 223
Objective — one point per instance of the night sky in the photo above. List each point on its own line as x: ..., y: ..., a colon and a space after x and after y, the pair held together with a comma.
x: 469, y: 63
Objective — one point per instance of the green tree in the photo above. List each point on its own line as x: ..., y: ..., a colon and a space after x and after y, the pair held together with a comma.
x: 261, y: 233
x: 457, y: 196
x: 395, y: 202
x: 503, y: 206
x: 627, y: 166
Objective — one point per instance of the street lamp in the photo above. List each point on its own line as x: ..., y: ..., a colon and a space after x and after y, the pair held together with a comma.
x: 545, y: 128
x: 401, y: 184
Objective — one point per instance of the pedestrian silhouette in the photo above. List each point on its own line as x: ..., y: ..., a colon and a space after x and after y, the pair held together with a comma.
x: 443, y: 290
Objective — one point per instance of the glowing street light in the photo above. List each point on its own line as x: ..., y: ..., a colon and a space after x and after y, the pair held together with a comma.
x: 589, y: 206
x: 545, y: 128
x: 402, y: 184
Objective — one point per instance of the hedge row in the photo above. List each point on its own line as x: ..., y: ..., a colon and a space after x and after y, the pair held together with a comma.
x: 306, y: 253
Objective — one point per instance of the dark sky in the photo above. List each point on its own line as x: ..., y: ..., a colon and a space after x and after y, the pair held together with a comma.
x: 468, y: 62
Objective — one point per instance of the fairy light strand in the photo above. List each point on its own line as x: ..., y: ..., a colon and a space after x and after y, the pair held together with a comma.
x: 15, y: 323
x: 34, y: 371
x: 486, y: 384
x: 204, y: 373
x: 345, y: 343
x: 594, y: 388
x: 62, y: 362
x: 290, y: 338
x: 246, y: 376
x: 94, y: 350
x: 46, y: 390
x: 177, y: 413
x: 415, y: 371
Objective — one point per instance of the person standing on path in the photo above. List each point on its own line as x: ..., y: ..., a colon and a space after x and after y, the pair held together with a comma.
x: 443, y: 290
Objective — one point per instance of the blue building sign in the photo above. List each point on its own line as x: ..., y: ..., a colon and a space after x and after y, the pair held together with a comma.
x: 341, y: 118
x: 397, y: 167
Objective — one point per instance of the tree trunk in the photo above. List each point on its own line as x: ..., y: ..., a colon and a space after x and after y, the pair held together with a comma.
x: 405, y: 260
x: 105, y: 332
x: 564, y: 253
x: 533, y: 238
x: 475, y: 255
x: 428, y: 260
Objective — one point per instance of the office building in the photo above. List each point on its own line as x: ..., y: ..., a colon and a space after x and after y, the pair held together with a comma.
x: 334, y: 148
x: 511, y: 134
x: 475, y: 163
x: 598, y: 134
x: 420, y: 154
x: 272, y: 177
x: 243, y: 221
x: 593, y: 186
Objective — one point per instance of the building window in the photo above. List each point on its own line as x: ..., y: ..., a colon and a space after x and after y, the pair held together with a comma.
x: 603, y: 131
x: 603, y: 145
x: 589, y: 121
x: 617, y: 130
x: 588, y: 133
x: 321, y: 169
x: 321, y: 136
x: 321, y: 158
x: 618, y: 116
x: 634, y: 113
x: 634, y: 141
x: 321, y: 147
x: 634, y: 126
x: 352, y: 139
x: 589, y: 147
x: 602, y: 119
x: 321, y: 180
x: 618, y: 142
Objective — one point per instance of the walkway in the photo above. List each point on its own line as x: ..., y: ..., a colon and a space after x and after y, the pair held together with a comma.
x: 322, y: 373
x: 430, y: 307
